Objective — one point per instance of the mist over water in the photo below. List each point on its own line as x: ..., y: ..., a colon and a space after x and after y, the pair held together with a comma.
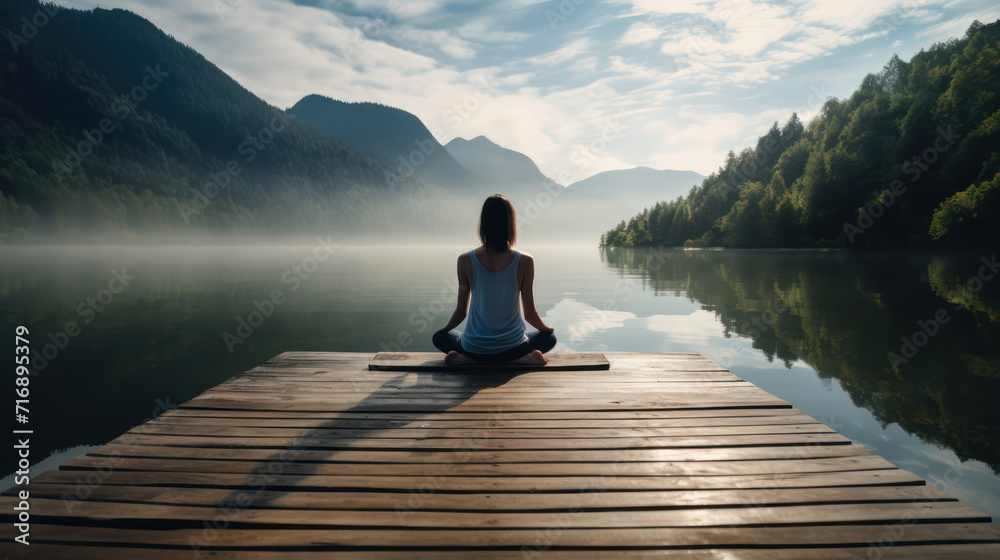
x: 155, y: 326
x: 547, y: 214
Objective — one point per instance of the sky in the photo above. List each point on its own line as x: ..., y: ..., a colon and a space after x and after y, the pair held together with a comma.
x: 580, y: 86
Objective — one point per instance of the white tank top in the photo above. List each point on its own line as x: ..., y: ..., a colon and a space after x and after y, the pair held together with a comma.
x: 494, y: 323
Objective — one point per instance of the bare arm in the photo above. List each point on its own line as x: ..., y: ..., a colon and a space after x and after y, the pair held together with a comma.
x: 462, y: 303
x: 528, y: 296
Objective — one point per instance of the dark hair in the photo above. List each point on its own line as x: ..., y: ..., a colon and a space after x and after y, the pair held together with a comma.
x: 498, y: 223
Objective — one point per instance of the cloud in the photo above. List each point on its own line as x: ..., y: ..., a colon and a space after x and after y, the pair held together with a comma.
x: 443, y: 41
x: 406, y: 8
x: 641, y: 33
x: 698, y: 329
x: 480, y: 30
x: 626, y: 83
x: 576, y: 321
x: 956, y: 27
x: 741, y: 42
x: 569, y: 52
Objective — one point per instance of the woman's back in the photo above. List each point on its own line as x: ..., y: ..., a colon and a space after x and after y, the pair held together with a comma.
x: 494, y: 283
x: 494, y: 322
x: 495, y: 261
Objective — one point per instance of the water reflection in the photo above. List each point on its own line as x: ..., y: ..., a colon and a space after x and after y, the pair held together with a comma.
x: 812, y: 328
x: 845, y: 315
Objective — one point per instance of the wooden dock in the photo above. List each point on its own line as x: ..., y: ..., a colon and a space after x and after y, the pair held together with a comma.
x: 312, y: 455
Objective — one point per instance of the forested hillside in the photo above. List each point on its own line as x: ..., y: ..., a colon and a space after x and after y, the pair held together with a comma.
x: 109, y: 126
x: 393, y: 136
x: 911, y: 159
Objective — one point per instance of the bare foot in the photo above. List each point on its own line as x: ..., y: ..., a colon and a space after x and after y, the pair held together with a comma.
x: 455, y: 359
x: 535, y: 358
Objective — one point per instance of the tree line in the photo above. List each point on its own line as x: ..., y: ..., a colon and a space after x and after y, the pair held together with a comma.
x: 911, y: 159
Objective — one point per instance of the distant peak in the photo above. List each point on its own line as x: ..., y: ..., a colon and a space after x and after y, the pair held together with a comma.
x: 483, y: 140
x: 480, y: 141
x: 316, y: 99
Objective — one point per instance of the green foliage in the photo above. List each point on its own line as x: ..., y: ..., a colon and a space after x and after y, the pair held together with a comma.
x: 841, y: 315
x: 928, y: 126
x: 970, y: 213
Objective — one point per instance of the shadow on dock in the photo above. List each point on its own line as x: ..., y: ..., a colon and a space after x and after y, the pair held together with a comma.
x: 371, y: 403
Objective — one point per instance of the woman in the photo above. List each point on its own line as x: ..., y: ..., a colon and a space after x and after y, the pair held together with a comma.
x: 492, y: 276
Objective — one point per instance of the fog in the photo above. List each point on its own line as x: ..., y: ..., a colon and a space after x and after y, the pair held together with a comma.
x: 546, y: 215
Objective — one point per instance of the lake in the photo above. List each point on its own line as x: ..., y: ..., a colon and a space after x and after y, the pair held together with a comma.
x: 898, y: 351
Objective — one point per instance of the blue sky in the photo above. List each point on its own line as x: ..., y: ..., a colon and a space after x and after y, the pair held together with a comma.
x: 580, y: 86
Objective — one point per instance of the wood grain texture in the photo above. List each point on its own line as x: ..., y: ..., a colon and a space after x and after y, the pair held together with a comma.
x: 434, y: 361
x: 314, y: 455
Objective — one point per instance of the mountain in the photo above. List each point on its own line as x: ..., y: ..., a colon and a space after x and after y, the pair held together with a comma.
x: 393, y: 136
x: 638, y: 187
x: 910, y: 159
x: 504, y: 169
x: 109, y: 126
x: 547, y: 211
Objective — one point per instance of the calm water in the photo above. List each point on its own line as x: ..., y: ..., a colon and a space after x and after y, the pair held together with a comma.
x: 812, y: 328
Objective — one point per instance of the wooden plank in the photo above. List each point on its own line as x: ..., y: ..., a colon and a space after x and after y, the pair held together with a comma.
x: 964, y: 551
x: 469, y: 454
x: 857, y: 536
x: 678, y: 402
x: 479, y: 394
x: 662, y: 454
x: 506, y: 414
x: 476, y: 396
x: 310, y: 378
x: 434, y: 361
x: 485, y: 442
x: 505, y: 389
x: 170, y: 516
x: 574, y: 501
x: 443, y: 481
x: 198, y: 463
x: 362, y: 373
x: 499, y: 422
x: 166, y: 428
